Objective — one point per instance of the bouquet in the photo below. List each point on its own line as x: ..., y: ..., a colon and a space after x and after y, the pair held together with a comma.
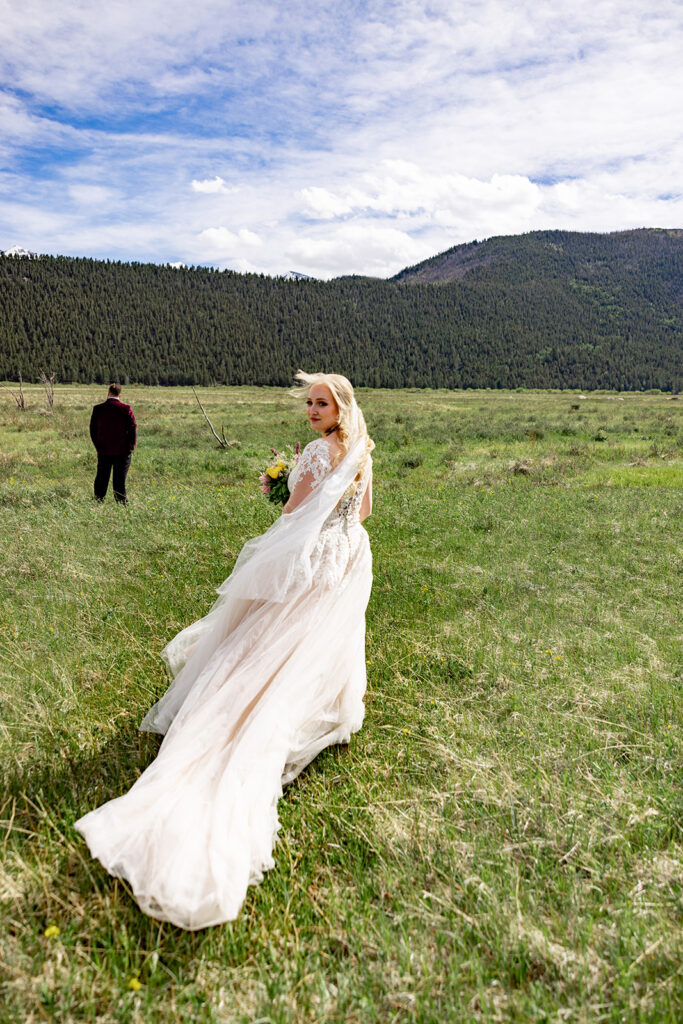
x: 273, y: 479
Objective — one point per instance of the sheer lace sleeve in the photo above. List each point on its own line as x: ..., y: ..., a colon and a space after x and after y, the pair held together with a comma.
x: 312, y: 467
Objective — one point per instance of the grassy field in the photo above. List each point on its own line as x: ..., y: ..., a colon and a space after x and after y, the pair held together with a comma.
x: 502, y: 840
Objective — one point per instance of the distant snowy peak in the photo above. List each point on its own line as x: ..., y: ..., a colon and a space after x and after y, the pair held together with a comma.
x: 17, y: 250
x: 294, y: 275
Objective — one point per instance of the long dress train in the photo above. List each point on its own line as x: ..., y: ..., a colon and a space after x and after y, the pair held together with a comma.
x: 273, y: 674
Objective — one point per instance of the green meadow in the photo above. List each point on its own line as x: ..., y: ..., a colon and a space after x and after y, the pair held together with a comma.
x: 503, y: 839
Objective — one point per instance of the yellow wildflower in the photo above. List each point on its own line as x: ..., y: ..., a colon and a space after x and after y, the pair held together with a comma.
x: 135, y: 983
x: 273, y: 472
x: 51, y: 931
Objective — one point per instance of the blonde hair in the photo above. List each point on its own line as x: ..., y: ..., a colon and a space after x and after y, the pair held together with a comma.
x: 351, y: 424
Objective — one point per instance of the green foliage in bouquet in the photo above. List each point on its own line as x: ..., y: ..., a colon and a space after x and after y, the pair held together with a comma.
x: 273, y: 479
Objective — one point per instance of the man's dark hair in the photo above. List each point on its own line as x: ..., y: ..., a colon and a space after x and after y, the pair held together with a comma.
x: 115, y: 390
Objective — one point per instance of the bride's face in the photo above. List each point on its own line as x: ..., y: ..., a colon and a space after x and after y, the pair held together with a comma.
x: 321, y: 408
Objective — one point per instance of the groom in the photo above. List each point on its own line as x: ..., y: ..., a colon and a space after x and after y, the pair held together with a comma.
x: 113, y: 431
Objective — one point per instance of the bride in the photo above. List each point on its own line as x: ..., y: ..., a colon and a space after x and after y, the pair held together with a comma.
x: 270, y: 676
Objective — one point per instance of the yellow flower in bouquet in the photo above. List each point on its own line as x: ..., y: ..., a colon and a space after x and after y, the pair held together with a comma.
x: 274, y: 471
x: 273, y: 479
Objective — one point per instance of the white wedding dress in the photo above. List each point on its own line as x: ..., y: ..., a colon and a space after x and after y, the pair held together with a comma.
x: 273, y: 674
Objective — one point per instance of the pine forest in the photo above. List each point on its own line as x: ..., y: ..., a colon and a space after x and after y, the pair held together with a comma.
x: 548, y: 309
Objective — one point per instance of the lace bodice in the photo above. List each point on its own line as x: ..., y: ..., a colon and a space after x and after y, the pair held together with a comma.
x: 341, y: 533
x: 314, y: 463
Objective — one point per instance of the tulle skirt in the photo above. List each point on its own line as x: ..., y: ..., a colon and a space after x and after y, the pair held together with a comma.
x: 261, y: 687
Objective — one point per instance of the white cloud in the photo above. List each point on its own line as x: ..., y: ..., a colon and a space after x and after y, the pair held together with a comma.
x: 249, y: 237
x: 378, y: 250
x: 224, y: 244
x: 355, y: 138
x: 321, y: 203
x: 210, y: 186
x: 401, y: 189
x: 91, y: 195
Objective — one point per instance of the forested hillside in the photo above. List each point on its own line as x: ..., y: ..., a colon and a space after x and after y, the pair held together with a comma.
x: 545, y: 309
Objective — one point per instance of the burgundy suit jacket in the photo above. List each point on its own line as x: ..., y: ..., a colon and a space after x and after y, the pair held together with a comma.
x: 113, y: 429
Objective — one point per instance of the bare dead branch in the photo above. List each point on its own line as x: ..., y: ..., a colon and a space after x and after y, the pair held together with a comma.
x: 222, y: 440
x: 49, y: 385
x: 18, y: 398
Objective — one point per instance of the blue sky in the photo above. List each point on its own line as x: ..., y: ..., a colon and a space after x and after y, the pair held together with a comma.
x: 330, y: 138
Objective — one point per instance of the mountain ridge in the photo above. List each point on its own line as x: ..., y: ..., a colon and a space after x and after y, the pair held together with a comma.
x: 545, y: 309
x: 456, y: 263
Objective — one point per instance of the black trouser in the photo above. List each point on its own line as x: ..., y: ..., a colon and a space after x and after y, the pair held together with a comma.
x: 120, y: 464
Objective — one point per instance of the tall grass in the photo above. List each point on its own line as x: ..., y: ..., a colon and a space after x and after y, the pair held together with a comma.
x: 501, y: 842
